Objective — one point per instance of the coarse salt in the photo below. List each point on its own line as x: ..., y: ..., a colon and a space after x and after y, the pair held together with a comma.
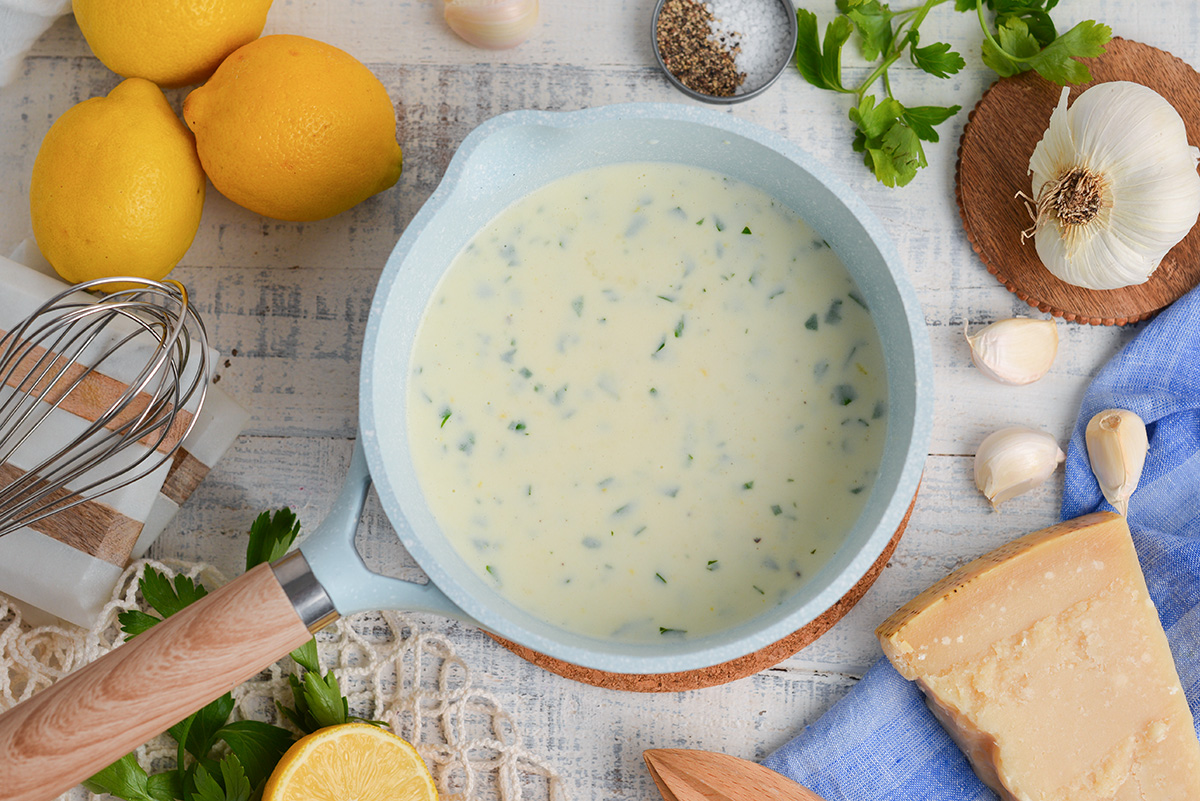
x: 756, y: 32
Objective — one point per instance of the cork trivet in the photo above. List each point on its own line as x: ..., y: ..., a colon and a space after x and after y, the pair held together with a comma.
x: 993, y: 162
x: 725, y: 672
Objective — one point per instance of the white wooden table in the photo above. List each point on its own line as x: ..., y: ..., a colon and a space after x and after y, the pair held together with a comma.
x: 286, y: 304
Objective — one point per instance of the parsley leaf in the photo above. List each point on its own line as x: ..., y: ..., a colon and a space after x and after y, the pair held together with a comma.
x: 890, y: 148
x: 236, y: 786
x: 207, y: 788
x: 1034, y: 12
x: 898, y: 156
x: 165, y: 786
x: 124, y: 778
x: 922, y: 119
x: 937, y: 59
x: 271, y: 536
x: 167, y: 598
x: 135, y: 621
x: 821, y: 66
x: 1057, y: 61
x: 257, y: 746
x: 1016, y: 6
x: 873, y: 22
x: 1005, y: 55
x: 198, y: 732
x: 307, y: 657
x: 318, y: 702
x: 1040, y: 25
x: 873, y: 120
x: 163, y: 596
x: 324, y: 699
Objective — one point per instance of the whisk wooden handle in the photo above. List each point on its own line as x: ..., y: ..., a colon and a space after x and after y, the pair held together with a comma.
x: 66, y: 733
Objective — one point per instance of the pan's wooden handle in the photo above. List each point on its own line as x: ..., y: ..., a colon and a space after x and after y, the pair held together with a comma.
x: 64, y: 734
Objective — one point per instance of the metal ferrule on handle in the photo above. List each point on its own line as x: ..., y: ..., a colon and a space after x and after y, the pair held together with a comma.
x: 308, y: 597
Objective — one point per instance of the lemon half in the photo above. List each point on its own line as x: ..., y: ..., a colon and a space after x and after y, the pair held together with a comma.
x: 351, y: 761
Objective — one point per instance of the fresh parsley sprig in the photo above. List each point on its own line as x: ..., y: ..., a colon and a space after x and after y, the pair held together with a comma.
x: 888, y: 133
x: 319, y: 703
x: 253, y: 748
x: 1025, y: 39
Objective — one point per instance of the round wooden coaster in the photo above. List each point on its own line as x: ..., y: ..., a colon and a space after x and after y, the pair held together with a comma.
x: 725, y: 672
x: 993, y: 160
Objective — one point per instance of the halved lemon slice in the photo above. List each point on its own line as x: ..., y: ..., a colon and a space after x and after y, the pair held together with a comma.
x: 351, y: 761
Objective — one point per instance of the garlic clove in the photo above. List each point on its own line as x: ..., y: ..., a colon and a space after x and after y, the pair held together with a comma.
x: 1117, y: 445
x: 1013, y: 461
x: 1015, y: 351
x: 493, y: 24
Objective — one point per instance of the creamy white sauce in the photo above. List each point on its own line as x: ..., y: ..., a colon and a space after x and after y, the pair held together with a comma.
x: 646, y: 400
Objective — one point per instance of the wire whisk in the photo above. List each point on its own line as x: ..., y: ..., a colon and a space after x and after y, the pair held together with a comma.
x: 93, y: 394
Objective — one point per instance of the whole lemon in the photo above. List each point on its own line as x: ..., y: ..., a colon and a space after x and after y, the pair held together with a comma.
x: 295, y: 129
x: 170, y: 42
x: 117, y: 187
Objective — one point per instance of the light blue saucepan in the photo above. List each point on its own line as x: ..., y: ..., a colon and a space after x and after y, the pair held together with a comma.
x: 512, y: 155
x: 261, y: 616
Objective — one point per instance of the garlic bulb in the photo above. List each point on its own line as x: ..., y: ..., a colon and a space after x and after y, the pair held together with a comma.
x: 494, y: 24
x: 1015, y: 351
x: 1117, y: 446
x: 1115, y: 184
x: 1013, y: 461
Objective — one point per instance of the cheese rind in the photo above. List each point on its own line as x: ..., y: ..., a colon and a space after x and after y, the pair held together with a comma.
x: 1046, y: 662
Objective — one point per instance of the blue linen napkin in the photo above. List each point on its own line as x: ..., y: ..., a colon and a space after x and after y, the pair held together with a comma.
x: 881, y: 743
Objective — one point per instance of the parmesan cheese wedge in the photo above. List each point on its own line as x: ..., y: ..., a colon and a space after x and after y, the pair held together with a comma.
x: 1046, y: 662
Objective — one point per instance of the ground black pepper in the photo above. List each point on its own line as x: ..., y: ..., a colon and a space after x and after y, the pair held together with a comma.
x: 700, y: 62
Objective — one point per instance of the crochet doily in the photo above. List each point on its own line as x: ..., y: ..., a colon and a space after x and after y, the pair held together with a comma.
x: 388, y: 669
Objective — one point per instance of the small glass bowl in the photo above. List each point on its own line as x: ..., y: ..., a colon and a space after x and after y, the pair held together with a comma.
x: 792, y: 30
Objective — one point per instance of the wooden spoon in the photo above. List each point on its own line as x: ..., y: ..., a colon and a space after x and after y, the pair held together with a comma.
x: 686, y: 775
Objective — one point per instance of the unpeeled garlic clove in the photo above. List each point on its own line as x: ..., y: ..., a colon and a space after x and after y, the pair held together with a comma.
x: 1013, y: 461
x: 1117, y: 445
x: 1015, y: 351
x: 494, y: 24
